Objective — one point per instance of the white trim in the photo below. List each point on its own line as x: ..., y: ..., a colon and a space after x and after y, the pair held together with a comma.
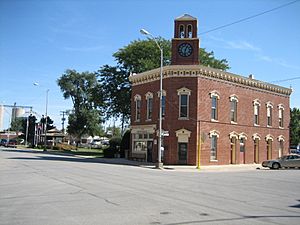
x: 184, y: 90
x: 183, y: 135
x: 269, y: 137
x: 149, y: 95
x: 234, y: 97
x: 281, y: 138
x: 243, y: 135
x: 256, y: 136
x: 214, y: 133
x: 214, y: 93
x: 233, y: 134
x: 256, y: 102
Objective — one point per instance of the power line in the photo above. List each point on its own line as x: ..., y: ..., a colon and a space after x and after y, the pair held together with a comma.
x: 289, y: 79
x: 249, y: 17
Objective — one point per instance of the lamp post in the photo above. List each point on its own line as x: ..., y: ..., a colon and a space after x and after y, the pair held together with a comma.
x: 46, y: 115
x: 159, y: 163
x: 45, y: 141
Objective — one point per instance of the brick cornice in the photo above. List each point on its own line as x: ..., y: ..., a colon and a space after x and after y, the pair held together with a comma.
x: 208, y: 72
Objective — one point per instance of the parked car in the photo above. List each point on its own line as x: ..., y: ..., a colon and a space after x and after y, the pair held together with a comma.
x: 287, y: 161
x: 11, y: 143
x: 3, y: 142
x: 295, y: 151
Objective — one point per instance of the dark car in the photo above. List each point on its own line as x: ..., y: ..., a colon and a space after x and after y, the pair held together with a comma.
x: 11, y: 143
x: 295, y: 151
x: 3, y: 142
x: 287, y: 161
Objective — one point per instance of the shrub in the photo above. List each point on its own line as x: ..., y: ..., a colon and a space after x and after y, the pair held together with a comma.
x: 114, y: 147
x: 125, y: 143
x: 109, y: 152
x: 115, y: 142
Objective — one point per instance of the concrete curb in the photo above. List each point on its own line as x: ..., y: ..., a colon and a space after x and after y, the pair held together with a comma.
x: 122, y: 161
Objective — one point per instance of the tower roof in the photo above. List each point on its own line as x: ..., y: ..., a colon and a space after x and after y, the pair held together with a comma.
x: 186, y: 17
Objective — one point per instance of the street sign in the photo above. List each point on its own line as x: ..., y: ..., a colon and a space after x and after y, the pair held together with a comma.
x: 165, y: 133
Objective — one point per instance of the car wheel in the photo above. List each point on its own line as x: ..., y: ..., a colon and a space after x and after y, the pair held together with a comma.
x: 275, y: 166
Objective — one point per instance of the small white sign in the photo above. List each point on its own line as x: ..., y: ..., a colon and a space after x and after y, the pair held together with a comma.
x: 166, y: 133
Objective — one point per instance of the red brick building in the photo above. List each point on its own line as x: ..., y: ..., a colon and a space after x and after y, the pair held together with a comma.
x: 210, y: 115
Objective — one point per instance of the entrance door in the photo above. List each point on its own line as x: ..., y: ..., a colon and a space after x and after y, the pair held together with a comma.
x: 280, y: 148
x: 149, y: 151
x: 182, y: 153
x: 242, y: 150
x: 269, y: 149
x: 256, y: 150
x: 233, y: 151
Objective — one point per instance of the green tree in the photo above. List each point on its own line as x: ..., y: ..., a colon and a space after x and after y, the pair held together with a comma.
x: 137, y: 57
x: 17, y: 124
x: 50, y: 122
x: 295, y: 127
x: 86, y: 95
x: 117, y: 91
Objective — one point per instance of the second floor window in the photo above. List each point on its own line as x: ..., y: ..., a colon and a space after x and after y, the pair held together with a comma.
x: 214, y: 108
x: 137, y: 100
x: 269, y: 115
x: 149, y: 99
x: 256, y: 112
x: 184, y: 105
x: 149, y: 108
x: 280, y: 117
x: 233, y: 110
x: 184, y: 95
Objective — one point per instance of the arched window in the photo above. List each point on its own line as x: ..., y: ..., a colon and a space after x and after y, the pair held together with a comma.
x: 214, y: 135
x: 280, y: 115
x: 137, y: 100
x: 149, y: 99
x: 190, y: 31
x: 269, y: 113
x: 233, y: 108
x: 181, y: 31
x: 269, y: 140
x: 215, y: 96
x: 281, y: 140
x: 256, y: 106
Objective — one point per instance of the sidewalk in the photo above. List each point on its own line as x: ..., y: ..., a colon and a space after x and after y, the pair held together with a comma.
x: 236, y: 167
x: 123, y: 161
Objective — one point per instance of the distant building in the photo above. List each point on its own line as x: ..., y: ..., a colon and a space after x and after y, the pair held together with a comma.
x: 228, y: 118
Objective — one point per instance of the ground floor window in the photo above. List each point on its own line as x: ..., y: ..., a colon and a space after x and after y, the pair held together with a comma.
x: 269, y: 149
x: 139, y: 146
x: 281, y: 147
x: 142, y: 145
x: 213, y: 148
x: 256, y: 150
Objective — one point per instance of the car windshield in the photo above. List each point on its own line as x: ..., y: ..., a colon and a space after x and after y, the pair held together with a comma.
x: 282, y: 158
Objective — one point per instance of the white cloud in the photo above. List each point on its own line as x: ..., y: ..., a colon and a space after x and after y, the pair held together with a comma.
x: 246, y: 46
x: 277, y: 61
x: 240, y: 45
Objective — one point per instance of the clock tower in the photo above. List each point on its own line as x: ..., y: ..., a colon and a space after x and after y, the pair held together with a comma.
x: 185, y: 44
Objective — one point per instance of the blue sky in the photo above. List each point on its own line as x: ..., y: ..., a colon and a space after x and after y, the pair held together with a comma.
x: 40, y: 39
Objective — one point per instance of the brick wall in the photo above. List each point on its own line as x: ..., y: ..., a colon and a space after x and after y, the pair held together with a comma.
x: 200, y: 114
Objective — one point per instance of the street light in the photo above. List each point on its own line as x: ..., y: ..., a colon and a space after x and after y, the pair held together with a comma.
x: 159, y: 163
x: 46, y: 115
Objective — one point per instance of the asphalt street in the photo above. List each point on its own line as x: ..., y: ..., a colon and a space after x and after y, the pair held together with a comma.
x: 39, y: 188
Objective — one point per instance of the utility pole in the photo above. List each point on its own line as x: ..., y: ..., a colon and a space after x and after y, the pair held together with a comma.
x: 63, y: 119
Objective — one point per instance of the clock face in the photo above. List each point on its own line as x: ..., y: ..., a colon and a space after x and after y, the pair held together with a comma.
x: 185, y: 49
